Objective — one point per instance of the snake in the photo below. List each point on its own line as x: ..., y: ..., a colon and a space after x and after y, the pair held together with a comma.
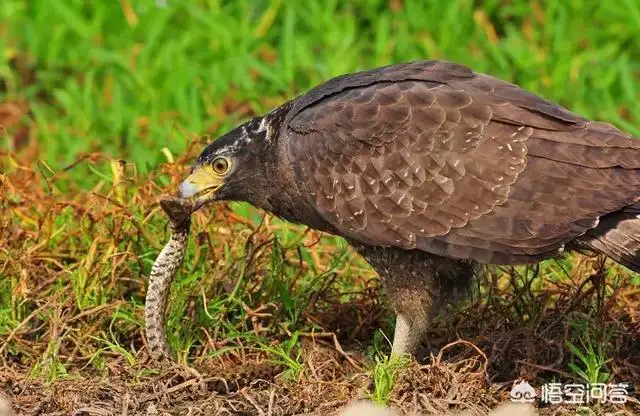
x: 162, y: 274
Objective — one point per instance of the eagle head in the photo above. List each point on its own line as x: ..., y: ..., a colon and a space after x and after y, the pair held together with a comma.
x: 232, y: 167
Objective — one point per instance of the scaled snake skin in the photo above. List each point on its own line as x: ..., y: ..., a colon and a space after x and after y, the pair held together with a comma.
x: 162, y: 274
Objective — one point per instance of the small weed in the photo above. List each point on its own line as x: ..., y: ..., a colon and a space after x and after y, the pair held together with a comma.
x: 50, y: 368
x: 384, y: 376
x: 117, y: 349
x: 591, y: 364
x: 288, y: 354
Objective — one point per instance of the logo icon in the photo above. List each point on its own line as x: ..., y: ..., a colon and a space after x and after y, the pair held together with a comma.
x: 522, y: 392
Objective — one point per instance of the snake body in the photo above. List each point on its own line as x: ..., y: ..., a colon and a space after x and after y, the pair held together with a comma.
x: 155, y: 309
x: 162, y: 274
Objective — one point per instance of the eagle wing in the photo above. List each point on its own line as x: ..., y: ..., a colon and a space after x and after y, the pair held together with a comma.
x: 433, y: 156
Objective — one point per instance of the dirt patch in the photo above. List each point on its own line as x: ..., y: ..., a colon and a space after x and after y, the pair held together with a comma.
x: 456, y: 380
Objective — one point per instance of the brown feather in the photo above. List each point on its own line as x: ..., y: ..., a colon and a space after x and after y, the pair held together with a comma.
x: 435, y: 157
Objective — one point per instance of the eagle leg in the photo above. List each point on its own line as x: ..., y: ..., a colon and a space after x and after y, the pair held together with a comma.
x: 408, y: 334
x: 417, y: 285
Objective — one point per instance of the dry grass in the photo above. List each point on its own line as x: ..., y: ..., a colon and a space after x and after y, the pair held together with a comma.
x: 74, y: 271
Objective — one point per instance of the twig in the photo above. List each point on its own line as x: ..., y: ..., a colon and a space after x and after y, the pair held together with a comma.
x: 94, y: 310
x: 253, y: 402
x: 545, y: 368
x: 336, y: 345
x: 272, y: 397
x: 181, y: 386
x: 462, y: 341
x: 21, y: 324
x: 573, y: 304
x: 125, y: 405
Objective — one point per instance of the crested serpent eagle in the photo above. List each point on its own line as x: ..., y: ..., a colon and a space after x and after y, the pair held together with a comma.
x: 429, y: 169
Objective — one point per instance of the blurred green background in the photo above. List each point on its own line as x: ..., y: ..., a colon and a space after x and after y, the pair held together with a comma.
x: 129, y: 77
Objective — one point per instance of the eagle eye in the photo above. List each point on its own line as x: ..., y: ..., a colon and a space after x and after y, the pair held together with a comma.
x: 221, y: 165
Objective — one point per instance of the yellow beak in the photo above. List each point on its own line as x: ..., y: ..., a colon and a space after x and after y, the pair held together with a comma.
x: 201, y: 184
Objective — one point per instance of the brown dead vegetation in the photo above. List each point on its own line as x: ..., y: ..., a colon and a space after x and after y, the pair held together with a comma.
x: 514, y: 329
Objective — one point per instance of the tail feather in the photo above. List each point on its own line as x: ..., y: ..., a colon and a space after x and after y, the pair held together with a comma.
x: 618, y: 236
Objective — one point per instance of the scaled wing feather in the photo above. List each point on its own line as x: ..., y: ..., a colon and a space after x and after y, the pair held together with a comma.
x: 435, y: 157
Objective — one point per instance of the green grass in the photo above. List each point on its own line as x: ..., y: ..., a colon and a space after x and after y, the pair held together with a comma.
x: 384, y: 376
x: 590, y: 358
x: 151, y: 84
x: 131, y: 87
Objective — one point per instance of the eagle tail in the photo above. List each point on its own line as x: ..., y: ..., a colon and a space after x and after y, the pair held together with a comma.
x: 618, y: 236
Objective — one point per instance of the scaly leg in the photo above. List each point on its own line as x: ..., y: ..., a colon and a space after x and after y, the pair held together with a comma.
x: 417, y: 284
x: 411, y: 299
x: 408, y: 334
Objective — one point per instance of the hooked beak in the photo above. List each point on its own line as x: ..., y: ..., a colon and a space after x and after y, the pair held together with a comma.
x: 201, y: 186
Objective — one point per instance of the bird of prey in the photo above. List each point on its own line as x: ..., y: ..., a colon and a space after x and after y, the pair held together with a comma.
x: 429, y: 169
